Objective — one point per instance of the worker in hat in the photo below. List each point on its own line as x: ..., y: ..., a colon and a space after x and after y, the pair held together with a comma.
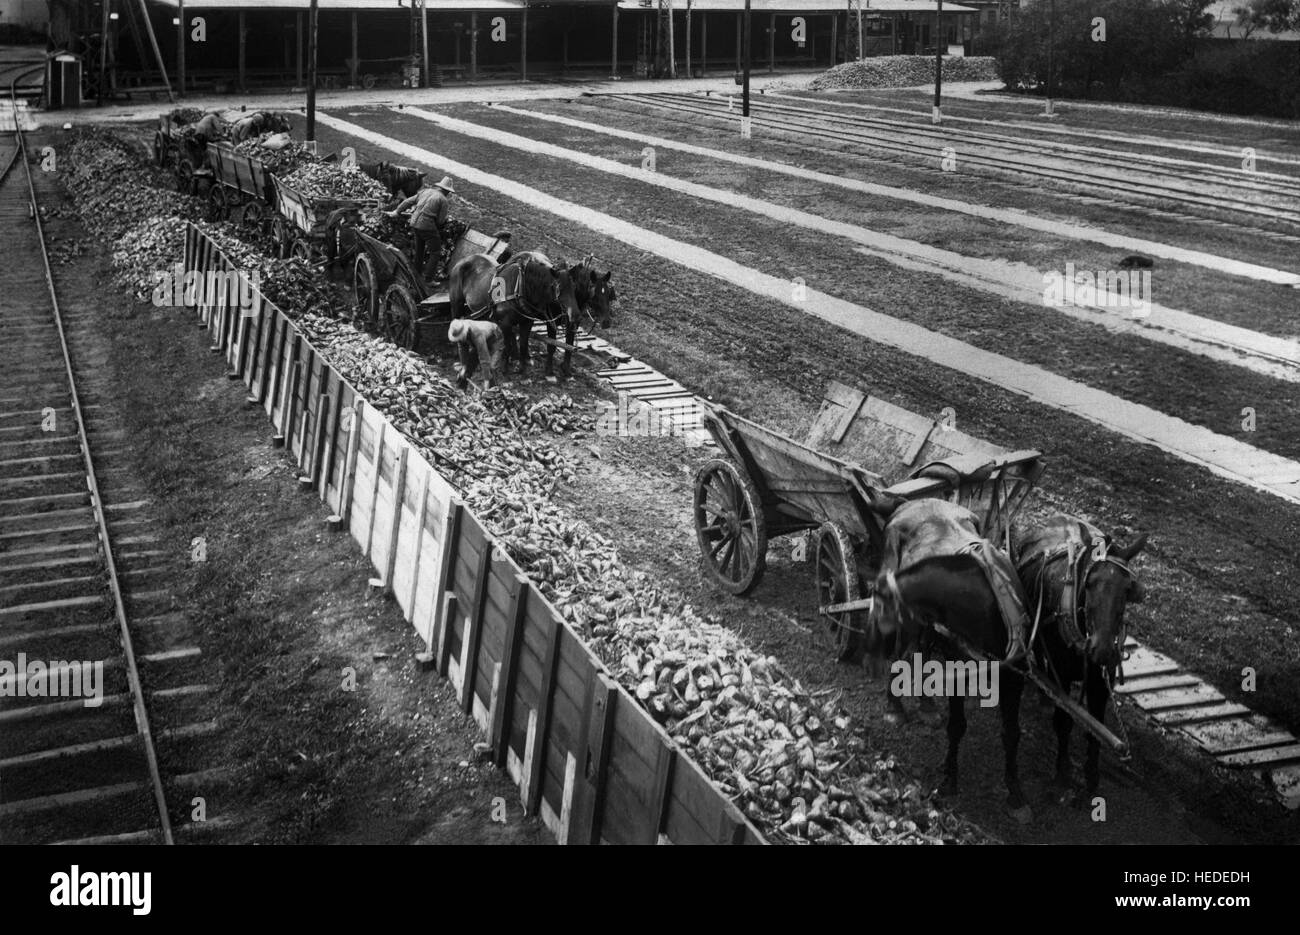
x: 477, y: 341
x: 429, y: 207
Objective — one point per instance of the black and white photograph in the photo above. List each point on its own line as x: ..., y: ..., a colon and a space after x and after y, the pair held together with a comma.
x: 697, y: 422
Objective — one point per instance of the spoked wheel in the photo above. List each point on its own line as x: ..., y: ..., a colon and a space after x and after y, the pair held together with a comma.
x: 218, y: 203
x: 283, y: 238
x: 253, y: 216
x: 185, y: 177
x: 364, y: 293
x: 302, y: 250
x: 399, y: 316
x: 730, y: 526
x: 838, y: 583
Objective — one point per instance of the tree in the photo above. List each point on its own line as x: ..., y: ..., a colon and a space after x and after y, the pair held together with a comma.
x: 1273, y: 15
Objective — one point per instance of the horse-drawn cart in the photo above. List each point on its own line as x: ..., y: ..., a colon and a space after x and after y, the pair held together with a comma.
x: 768, y: 485
x: 239, y: 181
x: 392, y: 297
x: 183, y: 151
x: 308, y: 226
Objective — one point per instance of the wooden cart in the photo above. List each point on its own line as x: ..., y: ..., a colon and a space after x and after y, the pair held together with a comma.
x: 239, y: 182
x: 183, y: 152
x: 309, y: 227
x: 392, y: 297
x: 767, y: 484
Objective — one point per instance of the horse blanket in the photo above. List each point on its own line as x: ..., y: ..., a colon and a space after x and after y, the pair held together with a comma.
x: 923, y: 529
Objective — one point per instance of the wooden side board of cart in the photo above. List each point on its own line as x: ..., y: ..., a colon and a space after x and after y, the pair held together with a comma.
x: 392, y: 297
x: 767, y: 484
x: 239, y: 182
x: 308, y: 227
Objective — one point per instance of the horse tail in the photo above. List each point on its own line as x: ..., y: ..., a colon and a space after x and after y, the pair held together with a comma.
x: 456, y: 290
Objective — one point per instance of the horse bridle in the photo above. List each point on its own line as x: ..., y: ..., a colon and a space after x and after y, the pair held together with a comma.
x: 1073, y: 610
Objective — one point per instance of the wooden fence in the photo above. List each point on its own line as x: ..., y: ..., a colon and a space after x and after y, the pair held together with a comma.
x: 585, y: 755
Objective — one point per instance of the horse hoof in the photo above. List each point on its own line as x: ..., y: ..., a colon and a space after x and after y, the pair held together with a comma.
x: 1023, y: 814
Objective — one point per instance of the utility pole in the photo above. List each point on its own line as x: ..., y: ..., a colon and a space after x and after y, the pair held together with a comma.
x: 311, y: 76
x: 745, y: 125
x: 938, y: 59
x: 1051, y: 49
x: 180, y: 46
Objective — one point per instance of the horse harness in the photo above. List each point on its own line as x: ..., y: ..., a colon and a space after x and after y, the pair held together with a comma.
x: 1071, y: 613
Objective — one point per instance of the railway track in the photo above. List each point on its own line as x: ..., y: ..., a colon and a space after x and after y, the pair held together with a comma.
x: 95, y: 749
x: 1094, y: 178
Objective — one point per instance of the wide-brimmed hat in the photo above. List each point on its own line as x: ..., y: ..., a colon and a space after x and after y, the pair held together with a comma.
x: 445, y: 185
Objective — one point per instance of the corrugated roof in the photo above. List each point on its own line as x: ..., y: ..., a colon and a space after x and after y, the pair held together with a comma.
x: 435, y: 6
x: 800, y: 6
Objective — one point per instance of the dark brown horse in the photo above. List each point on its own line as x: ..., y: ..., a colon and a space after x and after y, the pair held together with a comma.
x: 943, y: 578
x: 595, y: 296
x: 515, y: 294
x: 399, y: 180
x: 1083, y: 583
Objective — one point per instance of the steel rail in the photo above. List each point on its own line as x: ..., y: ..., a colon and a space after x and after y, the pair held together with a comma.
x: 92, y: 484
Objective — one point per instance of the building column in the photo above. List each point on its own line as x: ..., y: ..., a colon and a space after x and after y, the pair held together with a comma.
x: 473, y: 46
x: 523, y: 45
x: 613, y: 45
x: 740, y: 17
x: 771, y: 43
x: 243, y: 41
x: 354, y: 64
x: 298, y: 35
x: 704, y: 42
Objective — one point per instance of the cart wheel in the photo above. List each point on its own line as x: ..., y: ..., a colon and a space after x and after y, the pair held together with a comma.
x: 283, y: 238
x: 302, y: 250
x: 399, y: 316
x: 253, y: 216
x: 730, y: 526
x: 364, y: 289
x: 368, y: 81
x: 838, y: 583
x: 218, y: 203
x: 159, y: 149
x: 185, y: 177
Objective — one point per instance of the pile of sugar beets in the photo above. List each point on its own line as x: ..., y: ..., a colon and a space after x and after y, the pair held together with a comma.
x: 793, y: 761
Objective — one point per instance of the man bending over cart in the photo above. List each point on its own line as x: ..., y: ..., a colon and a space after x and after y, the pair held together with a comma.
x: 429, y: 207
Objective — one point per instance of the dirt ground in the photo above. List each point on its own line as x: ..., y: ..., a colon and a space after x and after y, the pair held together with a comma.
x: 283, y: 610
x: 638, y: 492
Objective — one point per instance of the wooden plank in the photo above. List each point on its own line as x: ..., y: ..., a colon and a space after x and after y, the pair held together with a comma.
x: 441, y: 645
x: 1133, y: 686
x: 395, y: 526
x: 474, y: 628
x: 503, y: 711
x: 665, y: 768
x: 1236, y: 735
x: 419, y: 539
x: 1177, y: 697
x: 593, y: 757
x: 1208, y: 712
x: 543, y: 724
x: 374, y: 488
x: 330, y: 455
x: 342, y: 519
x: 1274, y: 755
